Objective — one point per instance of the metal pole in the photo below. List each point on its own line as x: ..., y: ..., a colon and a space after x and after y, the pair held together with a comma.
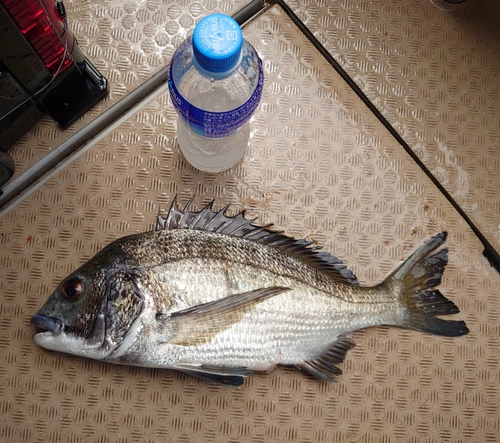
x: 100, y: 123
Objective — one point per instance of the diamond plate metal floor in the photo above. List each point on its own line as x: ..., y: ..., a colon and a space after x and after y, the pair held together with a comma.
x: 320, y: 166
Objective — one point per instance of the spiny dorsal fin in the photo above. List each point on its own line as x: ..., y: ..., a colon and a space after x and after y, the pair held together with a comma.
x: 238, y: 226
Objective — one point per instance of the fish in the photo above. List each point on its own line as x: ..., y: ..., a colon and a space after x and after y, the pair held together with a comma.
x: 220, y: 297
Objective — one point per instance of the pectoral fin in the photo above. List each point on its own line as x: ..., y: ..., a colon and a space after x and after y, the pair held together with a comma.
x: 199, y: 324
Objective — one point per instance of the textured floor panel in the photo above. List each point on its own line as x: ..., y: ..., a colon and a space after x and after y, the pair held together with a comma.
x: 128, y: 42
x: 433, y: 70
x: 320, y: 166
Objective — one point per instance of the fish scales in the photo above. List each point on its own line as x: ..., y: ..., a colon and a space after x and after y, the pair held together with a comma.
x: 268, y: 332
x: 220, y: 298
x: 170, y: 246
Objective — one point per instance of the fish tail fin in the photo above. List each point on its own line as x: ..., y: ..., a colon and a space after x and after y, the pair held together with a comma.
x: 418, y: 277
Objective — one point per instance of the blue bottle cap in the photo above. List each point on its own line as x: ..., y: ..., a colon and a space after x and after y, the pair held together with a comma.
x: 217, y: 42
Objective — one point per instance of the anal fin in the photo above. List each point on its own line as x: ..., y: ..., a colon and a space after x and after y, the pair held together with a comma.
x: 323, y: 366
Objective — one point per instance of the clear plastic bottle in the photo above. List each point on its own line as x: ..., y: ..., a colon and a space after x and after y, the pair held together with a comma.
x: 215, y: 81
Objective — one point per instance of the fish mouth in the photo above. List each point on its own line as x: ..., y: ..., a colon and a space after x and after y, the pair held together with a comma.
x: 48, y: 325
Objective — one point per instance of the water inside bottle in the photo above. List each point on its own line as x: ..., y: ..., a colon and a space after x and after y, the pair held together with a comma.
x: 215, y: 95
x: 212, y: 154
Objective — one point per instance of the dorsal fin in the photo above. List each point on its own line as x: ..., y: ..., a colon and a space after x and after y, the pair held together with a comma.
x: 238, y: 226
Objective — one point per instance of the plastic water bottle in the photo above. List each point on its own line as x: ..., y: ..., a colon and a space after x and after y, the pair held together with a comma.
x: 215, y: 81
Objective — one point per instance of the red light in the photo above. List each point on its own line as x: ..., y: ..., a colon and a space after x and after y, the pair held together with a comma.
x: 35, y: 24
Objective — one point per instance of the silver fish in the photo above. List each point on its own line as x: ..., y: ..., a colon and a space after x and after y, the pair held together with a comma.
x: 220, y: 298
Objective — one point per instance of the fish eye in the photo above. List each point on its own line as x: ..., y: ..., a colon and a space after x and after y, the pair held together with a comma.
x: 72, y: 289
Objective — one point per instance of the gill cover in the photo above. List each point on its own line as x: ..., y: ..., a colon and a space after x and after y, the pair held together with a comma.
x: 92, y: 310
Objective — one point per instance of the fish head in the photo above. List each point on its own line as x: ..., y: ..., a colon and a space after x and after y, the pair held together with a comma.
x: 91, y: 310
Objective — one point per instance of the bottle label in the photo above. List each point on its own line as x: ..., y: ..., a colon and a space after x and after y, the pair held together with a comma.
x: 215, y: 124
